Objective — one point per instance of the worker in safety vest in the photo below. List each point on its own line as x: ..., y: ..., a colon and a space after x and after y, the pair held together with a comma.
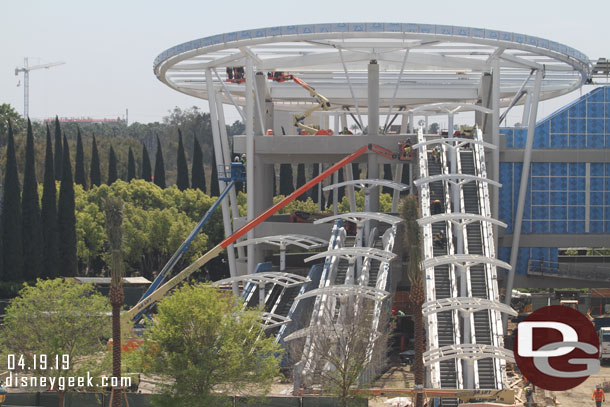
x: 599, y: 396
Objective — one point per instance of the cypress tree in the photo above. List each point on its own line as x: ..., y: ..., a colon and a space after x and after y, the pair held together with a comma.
x: 49, y: 214
x: 131, y: 166
x: 30, y: 211
x: 159, y: 166
x: 301, y: 181
x: 79, y: 171
x: 387, y: 175
x: 112, y: 171
x: 58, y: 151
x: 214, y: 187
x: 146, y: 168
x: 11, y: 215
x: 66, y: 219
x: 182, y: 180
x: 286, y: 184
x: 95, y: 174
x: 198, y: 173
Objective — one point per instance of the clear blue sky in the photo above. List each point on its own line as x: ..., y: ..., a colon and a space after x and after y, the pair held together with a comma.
x: 109, y: 46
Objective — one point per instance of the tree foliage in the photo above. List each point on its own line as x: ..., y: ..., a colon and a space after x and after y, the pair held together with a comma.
x: 11, y: 215
x: 159, y: 167
x: 96, y: 175
x: 112, y: 167
x: 58, y: 150
x: 49, y: 215
x: 205, y: 342
x: 56, y: 318
x: 79, y: 169
x: 198, y: 172
x: 182, y: 180
x: 66, y: 218
x: 131, y: 165
x: 146, y: 168
x: 18, y: 123
x: 30, y: 210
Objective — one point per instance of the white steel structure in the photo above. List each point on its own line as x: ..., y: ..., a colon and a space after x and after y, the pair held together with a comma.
x: 394, y: 70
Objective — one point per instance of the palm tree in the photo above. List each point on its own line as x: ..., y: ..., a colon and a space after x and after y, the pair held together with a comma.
x: 417, y: 296
x: 114, y: 219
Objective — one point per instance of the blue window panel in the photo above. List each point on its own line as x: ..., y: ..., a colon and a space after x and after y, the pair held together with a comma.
x: 559, y: 169
x: 607, y: 165
x: 607, y: 227
x: 540, y: 226
x: 519, y: 139
x: 539, y: 169
x: 504, y: 254
x: 522, y: 260
x: 541, y: 136
x: 507, y: 131
x: 559, y: 183
x: 596, y: 226
x: 577, y: 183
x: 597, y: 169
x: 576, y: 198
x: 577, y: 169
x: 540, y: 212
x: 539, y: 253
x: 578, y: 110
x: 595, y: 141
x: 607, y: 212
x: 597, y: 184
x: 576, y: 212
x: 607, y: 198
x: 559, y: 212
x: 578, y: 140
x: 578, y: 126
x: 506, y: 173
x: 595, y: 110
x: 559, y: 198
x: 608, y: 137
x: 596, y: 95
x: 526, y: 226
x: 559, y: 141
x: 559, y: 123
x: 597, y: 198
x: 595, y: 126
x: 608, y: 109
x: 553, y: 253
x: 540, y: 198
x: 559, y: 226
x: 607, y: 183
x: 540, y: 183
x: 596, y: 212
x: 576, y: 227
x: 509, y: 141
x: 607, y: 91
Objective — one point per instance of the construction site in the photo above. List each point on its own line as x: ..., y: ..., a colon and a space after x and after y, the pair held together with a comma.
x: 498, y: 208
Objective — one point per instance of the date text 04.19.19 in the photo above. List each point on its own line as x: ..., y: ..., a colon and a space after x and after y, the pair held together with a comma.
x: 37, y: 362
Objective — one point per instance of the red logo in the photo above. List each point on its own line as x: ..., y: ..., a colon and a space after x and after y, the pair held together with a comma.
x: 556, y: 348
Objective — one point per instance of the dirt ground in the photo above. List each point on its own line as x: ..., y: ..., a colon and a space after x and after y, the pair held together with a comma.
x: 581, y: 396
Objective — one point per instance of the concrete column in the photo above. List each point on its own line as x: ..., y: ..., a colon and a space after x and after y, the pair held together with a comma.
x: 249, y: 157
x: 282, y: 258
x: 373, y: 116
x: 526, y: 108
x: 349, y: 176
x: 226, y: 215
x: 398, y: 168
x: 527, y: 157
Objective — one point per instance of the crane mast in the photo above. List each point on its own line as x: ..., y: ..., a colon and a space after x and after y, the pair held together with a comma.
x: 26, y: 81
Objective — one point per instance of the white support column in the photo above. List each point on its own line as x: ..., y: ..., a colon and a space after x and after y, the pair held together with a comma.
x: 495, y: 140
x: 526, y: 108
x: 261, y: 294
x: 282, y: 258
x: 250, y: 155
x: 319, y: 189
x: 226, y: 152
x: 455, y: 188
x: 335, y: 193
x: 398, y: 168
x: 372, y: 161
x: 226, y: 216
x: 527, y: 157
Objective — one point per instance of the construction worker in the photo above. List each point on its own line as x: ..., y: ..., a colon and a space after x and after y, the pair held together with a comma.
x: 229, y: 74
x: 436, y: 154
x: 599, y: 396
x: 243, y: 160
x: 436, y: 207
x: 439, y: 239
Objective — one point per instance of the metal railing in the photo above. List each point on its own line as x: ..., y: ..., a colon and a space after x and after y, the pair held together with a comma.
x: 583, y: 271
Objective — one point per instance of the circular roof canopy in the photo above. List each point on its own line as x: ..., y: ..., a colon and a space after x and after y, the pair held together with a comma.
x: 419, y: 63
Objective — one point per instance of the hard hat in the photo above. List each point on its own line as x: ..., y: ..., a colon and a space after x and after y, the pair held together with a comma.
x: 243, y: 155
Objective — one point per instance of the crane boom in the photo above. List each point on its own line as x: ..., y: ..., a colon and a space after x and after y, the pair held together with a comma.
x: 26, y: 68
x: 215, y: 251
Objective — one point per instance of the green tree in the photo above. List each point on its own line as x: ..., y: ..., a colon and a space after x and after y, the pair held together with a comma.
x: 146, y: 168
x: 112, y: 167
x: 95, y: 174
x: 11, y: 215
x: 58, y: 150
x: 66, y: 218
x: 79, y: 170
x: 301, y: 180
x: 30, y: 211
x: 159, y: 167
x: 286, y: 183
x: 49, y: 214
x: 59, y: 319
x: 182, y: 180
x: 8, y: 113
x: 131, y: 165
x: 114, y: 220
x: 198, y: 172
x: 205, y: 342
x: 412, y: 241
x: 214, y: 187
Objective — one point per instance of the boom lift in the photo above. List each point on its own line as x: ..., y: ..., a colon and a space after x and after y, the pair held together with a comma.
x: 158, y: 293
x: 236, y: 175
x: 299, y: 119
